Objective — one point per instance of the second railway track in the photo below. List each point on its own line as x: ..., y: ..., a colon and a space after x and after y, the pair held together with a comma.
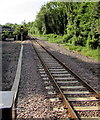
x: 78, y: 97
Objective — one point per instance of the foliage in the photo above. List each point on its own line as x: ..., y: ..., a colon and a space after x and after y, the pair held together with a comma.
x: 16, y: 31
x: 93, y: 53
x: 78, y: 22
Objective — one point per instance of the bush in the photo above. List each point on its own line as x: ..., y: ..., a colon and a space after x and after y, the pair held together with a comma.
x: 67, y: 37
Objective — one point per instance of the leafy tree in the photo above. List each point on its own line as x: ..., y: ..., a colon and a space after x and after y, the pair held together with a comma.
x: 77, y: 21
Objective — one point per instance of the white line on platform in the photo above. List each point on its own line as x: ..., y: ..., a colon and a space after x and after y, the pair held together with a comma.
x: 18, y: 72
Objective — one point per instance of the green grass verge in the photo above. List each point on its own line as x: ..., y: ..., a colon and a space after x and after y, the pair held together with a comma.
x: 93, y: 53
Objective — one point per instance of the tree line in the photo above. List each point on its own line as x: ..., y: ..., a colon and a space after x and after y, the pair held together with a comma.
x: 16, y: 31
x: 77, y: 22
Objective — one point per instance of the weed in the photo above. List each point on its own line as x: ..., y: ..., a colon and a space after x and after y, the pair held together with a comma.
x: 93, y: 53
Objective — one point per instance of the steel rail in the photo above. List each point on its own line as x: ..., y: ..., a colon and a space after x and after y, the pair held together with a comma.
x: 60, y: 93
x: 97, y: 95
x: 91, y: 90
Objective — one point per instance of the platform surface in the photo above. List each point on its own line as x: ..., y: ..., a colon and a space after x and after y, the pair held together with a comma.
x: 6, y: 99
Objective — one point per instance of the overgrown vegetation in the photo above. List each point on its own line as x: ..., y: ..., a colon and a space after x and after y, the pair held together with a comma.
x: 74, y: 24
x: 89, y: 52
x: 16, y: 31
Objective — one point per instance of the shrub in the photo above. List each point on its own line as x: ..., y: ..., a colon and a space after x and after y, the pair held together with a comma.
x: 67, y: 37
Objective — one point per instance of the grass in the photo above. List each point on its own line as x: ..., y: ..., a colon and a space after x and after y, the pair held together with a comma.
x: 53, y: 38
x: 85, y: 51
x: 92, y: 53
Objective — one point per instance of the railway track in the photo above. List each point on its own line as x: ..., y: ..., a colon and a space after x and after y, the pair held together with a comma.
x: 78, y: 97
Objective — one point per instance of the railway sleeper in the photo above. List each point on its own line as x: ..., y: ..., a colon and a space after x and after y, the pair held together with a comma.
x: 76, y: 92
x: 71, y: 87
x: 82, y: 99
x: 86, y: 108
x: 58, y: 72
x: 64, y: 78
x: 61, y: 75
x: 67, y: 82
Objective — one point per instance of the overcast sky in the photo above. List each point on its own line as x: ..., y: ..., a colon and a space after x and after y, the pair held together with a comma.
x: 16, y: 11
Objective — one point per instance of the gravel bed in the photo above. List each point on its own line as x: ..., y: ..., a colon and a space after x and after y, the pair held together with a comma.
x: 85, y: 67
x: 33, y: 100
x: 10, y: 55
x: 69, y: 84
x: 89, y: 113
x: 81, y: 95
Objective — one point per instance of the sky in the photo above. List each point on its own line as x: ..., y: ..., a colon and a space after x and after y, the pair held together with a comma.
x: 16, y: 11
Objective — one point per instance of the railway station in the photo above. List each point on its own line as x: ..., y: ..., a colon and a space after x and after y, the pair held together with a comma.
x: 42, y: 76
